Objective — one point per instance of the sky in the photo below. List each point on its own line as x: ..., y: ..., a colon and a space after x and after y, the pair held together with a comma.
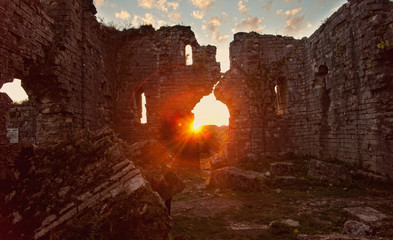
x: 215, y: 22
x: 15, y: 91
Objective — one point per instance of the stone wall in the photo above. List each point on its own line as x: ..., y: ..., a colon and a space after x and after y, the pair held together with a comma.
x: 26, y: 36
x: 83, y: 74
x: 23, y: 116
x: 153, y: 62
x: 5, y: 103
x: 333, y: 90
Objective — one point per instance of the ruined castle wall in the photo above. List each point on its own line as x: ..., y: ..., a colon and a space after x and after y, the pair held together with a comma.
x: 81, y: 74
x: 354, y: 113
x: 259, y: 63
x: 77, y: 65
x: 25, y: 36
x: 153, y: 62
x: 334, y: 90
x: 47, y: 46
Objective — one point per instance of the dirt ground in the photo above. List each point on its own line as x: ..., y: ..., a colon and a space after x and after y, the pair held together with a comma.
x: 282, y: 210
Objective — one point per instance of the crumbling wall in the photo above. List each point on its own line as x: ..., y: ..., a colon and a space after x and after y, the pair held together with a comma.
x: 154, y: 63
x: 258, y: 124
x: 82, y: 74
x: 51, y: 46
x: 5, y: 103
x: 26, y: 36
x: 334, y: 90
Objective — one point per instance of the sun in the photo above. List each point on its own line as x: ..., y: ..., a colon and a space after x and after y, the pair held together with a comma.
x: 195, y: 127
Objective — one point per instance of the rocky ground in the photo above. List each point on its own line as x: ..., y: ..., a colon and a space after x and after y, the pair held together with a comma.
x: 283, y: 208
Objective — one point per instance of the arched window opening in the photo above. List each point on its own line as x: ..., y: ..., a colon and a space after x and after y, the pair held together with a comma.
x: 280, y: 91
x: 140, y: 102
x: 322, y: 70
x: 15, y: 91
x: 144, y: 114
x: 189, y: 60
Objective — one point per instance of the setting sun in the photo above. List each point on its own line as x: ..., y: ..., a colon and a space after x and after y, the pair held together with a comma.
x: 195, y: 128
x: 210, y: 111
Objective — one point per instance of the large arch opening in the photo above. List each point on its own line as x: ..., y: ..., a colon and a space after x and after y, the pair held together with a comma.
x: 195, y: 131
x: 211, y: 120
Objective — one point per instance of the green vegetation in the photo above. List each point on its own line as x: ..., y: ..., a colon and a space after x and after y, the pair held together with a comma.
x: 385, y: 44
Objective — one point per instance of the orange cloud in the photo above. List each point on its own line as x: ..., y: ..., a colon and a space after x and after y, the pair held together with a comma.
x: 249, y: 24
x: 123, y: 15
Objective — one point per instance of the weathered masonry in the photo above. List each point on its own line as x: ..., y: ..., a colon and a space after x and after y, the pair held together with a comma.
x: 329, y: 95
x: 80, y: 74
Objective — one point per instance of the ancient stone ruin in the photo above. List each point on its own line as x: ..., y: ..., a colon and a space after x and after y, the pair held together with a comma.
x: 329, y: 95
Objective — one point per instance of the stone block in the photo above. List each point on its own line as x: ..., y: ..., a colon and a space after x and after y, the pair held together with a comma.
x: 218, y: 161
x: 235, y: 178
x: 135, y: 183
x: 365, y: 214
x: 281, y: 169
x: 356, y: 228
x: 329, y: 172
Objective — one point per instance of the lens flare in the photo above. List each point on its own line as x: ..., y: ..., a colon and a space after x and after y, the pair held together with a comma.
x: 195, y: 127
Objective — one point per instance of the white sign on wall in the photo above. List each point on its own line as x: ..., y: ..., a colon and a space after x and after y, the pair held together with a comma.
x: 13, y: 135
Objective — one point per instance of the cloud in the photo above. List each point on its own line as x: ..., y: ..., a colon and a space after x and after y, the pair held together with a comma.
x: 249, y: 24
x: 294, y: 23
x: 123, y: 15
x: 293, y: 12
x: 146, y: 19
x: 268, y: 6
x: 212, y: 26
x: 173, y: 5
x: 309, y: 25
x: 286, y: 1
x: 242, y: 8
x: 99, y: 3
x: 174, y: 16
x: 162, y: 5
x: 203, y: 4
x: 197, y: 14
